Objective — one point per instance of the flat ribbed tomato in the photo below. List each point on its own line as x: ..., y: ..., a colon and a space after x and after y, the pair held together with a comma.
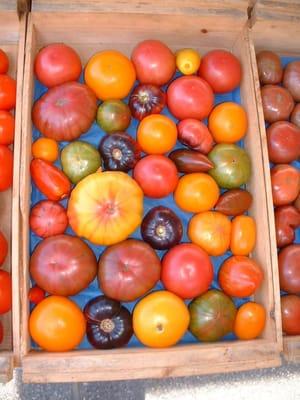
x: 7, y: 128
x: 249, y: 321
x: 5, y: 292
x: 6, y: 167
x: 3, y: 248
x: 243, y: 235
x: 8, y: 89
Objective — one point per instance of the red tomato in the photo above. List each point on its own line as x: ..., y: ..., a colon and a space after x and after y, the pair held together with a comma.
x: 283, y: 142
x: 290, y: 311
x: 8, y: 90
x: 1, y: 332
x: 289, y: 271
x: 187, y: 270
x: 36, y: 295
x: 195, y: 135
x: 285, y: 181
x: 4, y: 62
x: 5, y: 292
x: 190, y: 97
x: 3, y: 248
x: 154, y: 62
x: 57, y: 63
x: 222, y: 70
x: 7, y: 128
x: 157, y: 176
x: 6, y: 167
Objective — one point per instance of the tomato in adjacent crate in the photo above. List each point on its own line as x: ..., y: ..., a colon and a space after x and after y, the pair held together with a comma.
x: 285, y: 180
x: 36, y: 295
x: 283, y: 142
x: 290, y: 312
x: 7, y: 128
x: 287, y: 219
x: 4, y: 62
x: 243, y: 235
x: 295, y: 116
x: 160, y: 319
x: 146, y: 100
x: 189, y: 161
x: 57, y: 324
x: 5, y: 292
x: 113, y: 116
x: 3, y: 248
x: 234, y: 202
x: 277, y: 103
x: 291, y: 79
x: 195, y: 135
x: 6, y: 168
x: 250, y: 321
x: 269, y: 68
x: 8, y: 89
x: 46, y: 149
x: 289, y: 271
x: 188, y: 61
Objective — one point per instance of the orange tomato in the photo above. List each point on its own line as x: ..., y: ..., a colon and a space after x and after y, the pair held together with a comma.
x: 45, y: 149
x: 196, y: 192
x: 160, y: 319
x: 211, y: 231
x: 157, y: 134
x: 110, y: 75
x: 57, y: 324
x: 243, y: 235
x: 228, y: 122
x: 249, y: 321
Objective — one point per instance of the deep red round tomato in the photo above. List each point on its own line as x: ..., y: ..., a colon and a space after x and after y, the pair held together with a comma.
x: 5, y: 292
x: 187, y: 270
x: 290, y: 312
x: 190, y: 97
x: 36, y: 295
x: 7, y: 128
x: 8, y: 90
x: 277, y: 103
x: 283, y: 142
x: 6, y: 167
x: 157, y: 176
x: 222, y: 70
x: 57, y: 63
x: 4, y: 62
x: 3, y: 248
x: 285, y: 181
x: 289, y: 270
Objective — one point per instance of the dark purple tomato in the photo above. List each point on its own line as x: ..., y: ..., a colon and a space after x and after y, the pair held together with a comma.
x: 161, y: 228
x: 146, y: 100
x: 113, y: 116
x: 189, y: 161
x: 277, y: 103
x: 109, y: 324
x: 269, y: 68
x: 119, y: 151
x: 295, y: 116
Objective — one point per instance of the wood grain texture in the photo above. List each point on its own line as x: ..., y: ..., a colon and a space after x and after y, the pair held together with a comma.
x: 6, y: 366
x: 291, y: 348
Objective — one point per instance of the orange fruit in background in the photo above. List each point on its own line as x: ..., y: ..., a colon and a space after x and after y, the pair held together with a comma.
x: 57, y: 324
x: 45, y: 149
x: 110, y: 74
x: 243, y: 235
x: 249, y: 321
x: 228, y: 122
x: 211, y: 231
x: 157, y: 134
x: 160, y: 319
x: 196, y: 192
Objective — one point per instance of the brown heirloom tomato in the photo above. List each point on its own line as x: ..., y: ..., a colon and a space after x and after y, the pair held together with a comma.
x: 287, y: 218
x: 269, y: 68
x: 290, y: 311
x: 277, y: 103
x: 289, y: 271
x: 234, y: 202
x: 291, y: 79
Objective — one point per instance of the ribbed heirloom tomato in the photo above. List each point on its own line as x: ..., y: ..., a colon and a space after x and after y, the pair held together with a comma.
x: 249, y: 321
x: 243, y: 235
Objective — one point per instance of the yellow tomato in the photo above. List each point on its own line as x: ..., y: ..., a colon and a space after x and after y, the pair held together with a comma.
x: 45, y: 149
x: 243, y: 235
x: 188, y: 61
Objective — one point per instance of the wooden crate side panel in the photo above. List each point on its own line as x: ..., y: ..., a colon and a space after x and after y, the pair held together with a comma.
x: 291, y: 348
x: 288, y: 10
x: 6, y: 367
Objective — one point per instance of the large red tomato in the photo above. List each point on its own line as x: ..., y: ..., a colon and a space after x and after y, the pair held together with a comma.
x: 3, y: 248
x: 187, y: 270
x: 48, y: 218
x: 290, y: 311
x: 190, y: 97
x: 222, y: 70
x: 63, y: 265
x: 57, y: 63
x: 5, y: 292
x: 289, y: 269
x: 6, y: 167
x: 154, y: 62
x: 283, y: 142
x: 285, y: 181
x: 8, y: 89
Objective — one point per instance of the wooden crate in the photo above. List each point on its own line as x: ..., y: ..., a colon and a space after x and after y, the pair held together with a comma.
x: 275, y: 26
x: 201, y: 24
x: 12, y: 41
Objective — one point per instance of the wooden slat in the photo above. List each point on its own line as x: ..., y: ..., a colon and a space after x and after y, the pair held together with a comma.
x: 6, y: 366
x: 291, y: 348
x: 17, y: 6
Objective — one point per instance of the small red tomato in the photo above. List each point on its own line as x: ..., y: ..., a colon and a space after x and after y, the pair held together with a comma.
x: 8, y: 90
x: 285, y: 181
x: 7, y: 128
x: 36, y: 294
x: 1, y: 332
x: 4, y: 62
x: 6, y: 168
x: 157, y: 176
x: 195, y: 135
x: 5, y: 292
x: 3, y: 248
x: 290, y: 311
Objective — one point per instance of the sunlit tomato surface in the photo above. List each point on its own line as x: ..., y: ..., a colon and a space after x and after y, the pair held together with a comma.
x: 5, y: 292
x: 4, y: 62
x: 110, y: 74
x: 36, y: 294
x: 48, y: 218
x: 157, y: 134
x: 243, y: 235
x: 240, y: 276
x: 211, y: 231
x: 3, y: 248
x: 187, y: 270
x: 188, y: 61
x: 8, y: 90
x: 285, y: 181
x: 290, y: 312
x: 46, y: 149
x: 249, y: 321
x: 6, y: 168
x: 160, y: 319
x: 196, y: 192
x: 228, y: 122
x: 57, y: 324
x: 7, y: 128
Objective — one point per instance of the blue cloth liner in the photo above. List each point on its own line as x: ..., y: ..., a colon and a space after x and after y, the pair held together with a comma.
x: 94, y: 136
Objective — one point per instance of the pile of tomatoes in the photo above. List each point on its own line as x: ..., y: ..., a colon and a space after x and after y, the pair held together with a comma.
x: 281, y: 104
x: 155, y: 204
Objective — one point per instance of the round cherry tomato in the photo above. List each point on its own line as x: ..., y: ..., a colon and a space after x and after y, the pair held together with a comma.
x: 240, y: 276
x: 243, y: 235
x: 6, y: 167
x: 57, y: 324
x: 188, y: 61
x: 285, y: 181
x: 7, y: 128
x: 5, y: 292
x: 157, y: 134
x: 277, y: 103
x: 8, y: 90
x: 187, y: 271
x: 157, y: 176
x: 48, y: 218
x: 154, y: 62
x: 211, y: 231
x: 222, y: 70
x: 249, y: 321
x: 190, y: 97
x: 283, y: 142
x: 289, y: 271
x: 290, y: 311
x: 196, y: 192
x: 4, y: 62
x: 46, y: 149
x: 1, y: 332
x: 110, y: 75
x: 269, y: 68
x: 36, y: 295
x: 228, y: 122
x: 195, y: 135
x: 160, y: 319
x: 3, y: 248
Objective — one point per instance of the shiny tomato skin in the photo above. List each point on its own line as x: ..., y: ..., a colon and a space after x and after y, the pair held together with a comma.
x: 269, y: 68
x: 3, y: 248
x: 290, y: 311
x: 195, y: 135
x: 243, y: 235
x: 8, y: 89
x: 187, y: 271
x: 5, y: 292
x: 289, y: 271
x: 4, y: 62
x: 36, y: 295
x: 45, y: 149
x: 6, y: 168
x: 283, y: 142
x: 249, y: 321
x: 277, y: 103
x: 7, y: 128
x: 285, y: 180
x: 48, y: 218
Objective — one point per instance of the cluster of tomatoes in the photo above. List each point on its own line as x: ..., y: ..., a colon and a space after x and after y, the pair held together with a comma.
x: 281, y: 104
x: 147, y: 181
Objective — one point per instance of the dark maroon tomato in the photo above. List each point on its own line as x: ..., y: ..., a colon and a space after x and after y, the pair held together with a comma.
x: 119, y: 151
x: 234, y: 202
x: 289, y: 271
x: 146, y: 100
x: 195, y: 135
x: 113, y: 116
x: 283, y: 142
x: 189, y: 161
x: 287, y: 218
x: 291, y: 79
x: 269, y: 68
x: 128, y: 270
x: 63, y: 265
x: 161, y: 228
x: 212, y: 316
x: 277, y: 103
x: 295, y: 116
x: 109, y: 324
x: 290, y: 311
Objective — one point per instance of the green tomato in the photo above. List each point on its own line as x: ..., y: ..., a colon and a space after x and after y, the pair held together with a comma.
x: 79, y: 159
x: 232, y: 165
x: 113, y: 116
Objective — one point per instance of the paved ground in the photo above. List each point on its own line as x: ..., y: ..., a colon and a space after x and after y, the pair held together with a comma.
x: 270, y: 384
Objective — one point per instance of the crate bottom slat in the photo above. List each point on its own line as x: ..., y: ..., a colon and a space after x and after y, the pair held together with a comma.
x: 6, y: 366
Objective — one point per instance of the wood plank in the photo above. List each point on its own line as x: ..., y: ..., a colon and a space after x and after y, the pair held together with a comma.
x: 291, y: 348
x: 6, y: 367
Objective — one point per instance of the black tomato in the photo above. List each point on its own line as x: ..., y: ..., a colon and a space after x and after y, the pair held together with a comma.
x: 188, y: 161
x: 146, y: 100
